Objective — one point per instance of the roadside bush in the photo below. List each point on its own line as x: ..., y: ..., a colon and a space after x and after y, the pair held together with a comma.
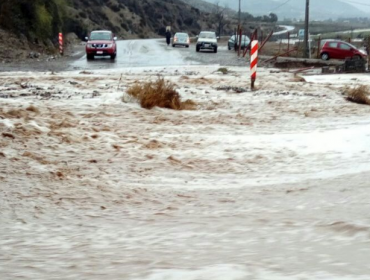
x: 44, y: 18
x: 161, y: 94
x: 43, y: 22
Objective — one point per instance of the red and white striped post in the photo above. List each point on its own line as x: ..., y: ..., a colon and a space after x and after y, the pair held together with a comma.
x: 61, y: 50
x: 254, y: 62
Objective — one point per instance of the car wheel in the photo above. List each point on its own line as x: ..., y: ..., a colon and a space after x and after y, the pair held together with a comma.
x: 187, y: 46
x: 173, y: 46
x: 90, y: 56
x: 113, y: 56
x: 215, y: 50
x: 325, y: 56
x: 228, y: 46
x: 357, y: 56
x: 198, y: 49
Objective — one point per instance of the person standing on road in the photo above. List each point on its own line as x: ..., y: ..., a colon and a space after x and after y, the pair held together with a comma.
x: 168, y: 37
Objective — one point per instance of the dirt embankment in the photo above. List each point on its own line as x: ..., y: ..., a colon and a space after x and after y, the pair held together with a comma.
x: 17, y: 53
x: 12, y: 48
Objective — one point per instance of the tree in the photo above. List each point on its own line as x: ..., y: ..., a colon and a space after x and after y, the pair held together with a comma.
x: 220, y: 18
x: 273, y: 17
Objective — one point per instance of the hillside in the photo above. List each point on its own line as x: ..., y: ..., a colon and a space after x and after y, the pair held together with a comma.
x: 208, y: 7
x: 295, y: 8
x: 132, y: 18
x: 43, y: 19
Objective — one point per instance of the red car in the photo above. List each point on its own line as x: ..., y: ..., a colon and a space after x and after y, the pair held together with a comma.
x: 101, y: 43
x: 340, y: 50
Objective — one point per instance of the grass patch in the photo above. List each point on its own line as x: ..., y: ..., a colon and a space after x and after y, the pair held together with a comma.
x: 161, y: 94
x: 359, y: 94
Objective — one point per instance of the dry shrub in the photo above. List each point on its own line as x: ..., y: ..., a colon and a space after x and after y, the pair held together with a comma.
x: 298, y: 79
x: 160, y: 93
x: 359, y: 94
x: 15, y: 114
x: 202, y: 81
x: 33, y: 109
x: 189, y: 105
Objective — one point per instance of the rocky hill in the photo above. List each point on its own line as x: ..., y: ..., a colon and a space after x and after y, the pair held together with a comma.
x: 42, y: 19
x: 132, y: 18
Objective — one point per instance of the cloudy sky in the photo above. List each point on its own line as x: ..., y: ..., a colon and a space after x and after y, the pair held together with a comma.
x: 357, y: 3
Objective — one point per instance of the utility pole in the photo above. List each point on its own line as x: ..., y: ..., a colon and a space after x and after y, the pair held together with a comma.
x: 306, y: 30
x: 239, y: 12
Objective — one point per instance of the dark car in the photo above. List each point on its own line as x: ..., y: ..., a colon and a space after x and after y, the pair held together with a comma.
x: 245, y: 41
x: 340, y: 50
x: 101, y: 43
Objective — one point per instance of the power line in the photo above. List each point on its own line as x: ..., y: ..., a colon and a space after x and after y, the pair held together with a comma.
x: 286, y: 2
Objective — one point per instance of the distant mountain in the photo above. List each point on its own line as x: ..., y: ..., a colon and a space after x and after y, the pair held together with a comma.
x: 320, y: 9
x: 208, y: 6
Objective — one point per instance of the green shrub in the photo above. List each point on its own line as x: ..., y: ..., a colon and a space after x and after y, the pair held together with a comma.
x: 43, y: 25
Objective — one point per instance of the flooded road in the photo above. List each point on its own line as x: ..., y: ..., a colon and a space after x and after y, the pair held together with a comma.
x: 154, y: 52
x: 265, y: 185
x: 136, y: 53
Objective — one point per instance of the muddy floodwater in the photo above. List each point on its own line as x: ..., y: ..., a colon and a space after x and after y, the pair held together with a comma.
x: 271, y: 184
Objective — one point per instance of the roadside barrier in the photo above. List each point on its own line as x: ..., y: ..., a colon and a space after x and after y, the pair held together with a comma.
x: 254, y: 62
x: 61, y: 50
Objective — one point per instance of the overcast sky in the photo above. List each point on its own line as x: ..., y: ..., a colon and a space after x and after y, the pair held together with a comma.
x: 359, y: 6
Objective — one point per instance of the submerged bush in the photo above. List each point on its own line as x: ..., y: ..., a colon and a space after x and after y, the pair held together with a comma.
x: 359, y: 94
x: 161, y: 94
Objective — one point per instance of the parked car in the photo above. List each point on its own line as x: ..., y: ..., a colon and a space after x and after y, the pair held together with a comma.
x: 341, y: 50
x: 181, y: 39
x: 245, y: 42
x: 207, y: 40
x: 101, y: 43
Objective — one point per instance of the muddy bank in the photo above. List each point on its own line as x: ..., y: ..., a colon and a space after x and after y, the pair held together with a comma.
x: 45, y: 62
x: 19, y: 54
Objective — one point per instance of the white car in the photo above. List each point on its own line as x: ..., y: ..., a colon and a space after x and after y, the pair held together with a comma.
x: 181, y: 39
x: 207, y: 40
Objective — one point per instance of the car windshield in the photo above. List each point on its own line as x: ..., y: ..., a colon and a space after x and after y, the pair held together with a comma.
x: 100, y: 36
x: 244, y: 38
x: 181, y: 35
x: 207, y: 35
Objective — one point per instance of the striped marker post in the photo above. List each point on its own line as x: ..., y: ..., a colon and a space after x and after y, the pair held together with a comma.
x: 254, y: 61
x: 61, y: 50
